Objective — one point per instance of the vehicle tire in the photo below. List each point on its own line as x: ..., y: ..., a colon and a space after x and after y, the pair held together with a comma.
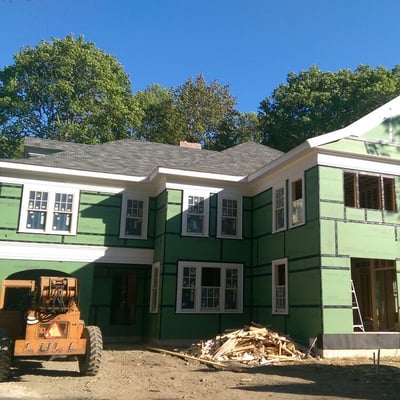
x: 89, y: 363
x: 5, y: 355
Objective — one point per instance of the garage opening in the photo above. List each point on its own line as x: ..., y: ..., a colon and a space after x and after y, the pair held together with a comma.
x: 375, y: 284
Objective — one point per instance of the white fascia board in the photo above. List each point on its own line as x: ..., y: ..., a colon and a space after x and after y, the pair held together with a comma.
x: 70, y: 172
x: 74, y: 253
x: 196, y: 174
x: 193, y: 187
x: 30, y: 181
x: 357, y: 162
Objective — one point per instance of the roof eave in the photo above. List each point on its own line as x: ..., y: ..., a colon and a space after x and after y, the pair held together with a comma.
x: 196, y: 174
x: 70, y: 172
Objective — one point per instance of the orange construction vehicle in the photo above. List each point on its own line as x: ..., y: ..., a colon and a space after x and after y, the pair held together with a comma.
x: 40, y: 318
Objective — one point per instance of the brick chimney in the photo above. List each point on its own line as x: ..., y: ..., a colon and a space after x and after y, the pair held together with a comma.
x: 188, y: 145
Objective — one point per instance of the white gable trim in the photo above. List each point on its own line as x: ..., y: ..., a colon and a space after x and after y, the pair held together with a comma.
x: 362, y: 125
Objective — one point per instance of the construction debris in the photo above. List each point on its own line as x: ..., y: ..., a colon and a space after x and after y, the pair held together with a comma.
x: 253, y: 345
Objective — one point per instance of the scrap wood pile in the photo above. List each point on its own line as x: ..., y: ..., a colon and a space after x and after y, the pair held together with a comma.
x: 253, y: 345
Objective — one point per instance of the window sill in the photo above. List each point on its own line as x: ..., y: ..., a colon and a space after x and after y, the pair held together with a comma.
x: 40, y: 232
x: 133, y: 237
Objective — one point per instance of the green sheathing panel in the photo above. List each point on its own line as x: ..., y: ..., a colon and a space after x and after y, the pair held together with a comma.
x: 162, y: 225
x: 330, y: 185
x: 10, y: 203
x: 347, y: 233
x: 98, y: 221
x: 389, y: 130
x: 171, y: 247
x: 380, y: 141
x: 336, y: 295
x: 174, y: 326
x: 301, y: 247
x: 366, y: 240
x: 84, y: 272
x: 9, y: 210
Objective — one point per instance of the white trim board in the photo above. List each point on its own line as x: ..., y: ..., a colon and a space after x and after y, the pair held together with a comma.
x: 74, y: 253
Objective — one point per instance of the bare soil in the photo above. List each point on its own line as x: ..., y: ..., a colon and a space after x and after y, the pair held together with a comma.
x: 140, y: 374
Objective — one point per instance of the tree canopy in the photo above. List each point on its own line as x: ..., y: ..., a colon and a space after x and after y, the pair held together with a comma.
x: 314, y: 102
x: 68, y: 90
x: 196, y: 111
x: 159, y: 115
x: 205, y: 111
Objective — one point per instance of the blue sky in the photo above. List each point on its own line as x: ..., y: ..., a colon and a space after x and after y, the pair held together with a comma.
x: 250, y: 44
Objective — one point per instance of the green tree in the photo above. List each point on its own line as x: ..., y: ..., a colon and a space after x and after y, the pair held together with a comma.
x: 67, y: 90
x: 204, y: 110
x: 246, y: 127
x: 316, y: 102
x: 195, y: 111
x: 159, y: 115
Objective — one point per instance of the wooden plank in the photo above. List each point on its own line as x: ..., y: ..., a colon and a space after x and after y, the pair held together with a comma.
x: 225, y: 348
x: 187, y: 357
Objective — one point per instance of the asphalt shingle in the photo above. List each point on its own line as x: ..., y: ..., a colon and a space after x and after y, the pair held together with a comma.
x: 140, y: 158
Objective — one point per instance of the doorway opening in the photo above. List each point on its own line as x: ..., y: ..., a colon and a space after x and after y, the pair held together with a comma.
x: 375, y: 284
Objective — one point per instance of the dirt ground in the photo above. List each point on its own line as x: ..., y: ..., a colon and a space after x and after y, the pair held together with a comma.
x: 140, y: 374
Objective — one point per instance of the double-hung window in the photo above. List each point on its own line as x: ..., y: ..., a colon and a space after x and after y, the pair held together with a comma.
x: 50, y: 210
x: 279, y: 286
x: 229, y: 217
x: 296, y: 202
x: 279, y: 207
x: 134, y: 216
x: 195, y: 213
x: 209, y: 287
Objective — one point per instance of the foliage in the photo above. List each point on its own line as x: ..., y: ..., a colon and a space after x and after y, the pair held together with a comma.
x: 195, y: 111
x: 204, y: 111
x: 246, y: 127
x: 315, y: 102
x: 159, y: 115
x: 67, y: 90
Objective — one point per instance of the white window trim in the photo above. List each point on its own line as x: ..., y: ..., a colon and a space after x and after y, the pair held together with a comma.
x: 134, y: 196
x: 155, y: 288
x: 275, y: 310
x: 51, y: 190
x: 197, y: 308
x: 293, y: 224
x: 206, y: 214
x: 239, y: 219
x: 274, y: 190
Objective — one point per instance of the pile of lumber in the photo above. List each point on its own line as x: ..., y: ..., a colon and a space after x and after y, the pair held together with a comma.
x: 253, y: 345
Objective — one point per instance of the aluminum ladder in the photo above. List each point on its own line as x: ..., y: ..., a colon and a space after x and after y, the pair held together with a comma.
x: 356, y: 306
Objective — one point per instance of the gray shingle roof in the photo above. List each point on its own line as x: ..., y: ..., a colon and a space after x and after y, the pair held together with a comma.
x: 139, y: 158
